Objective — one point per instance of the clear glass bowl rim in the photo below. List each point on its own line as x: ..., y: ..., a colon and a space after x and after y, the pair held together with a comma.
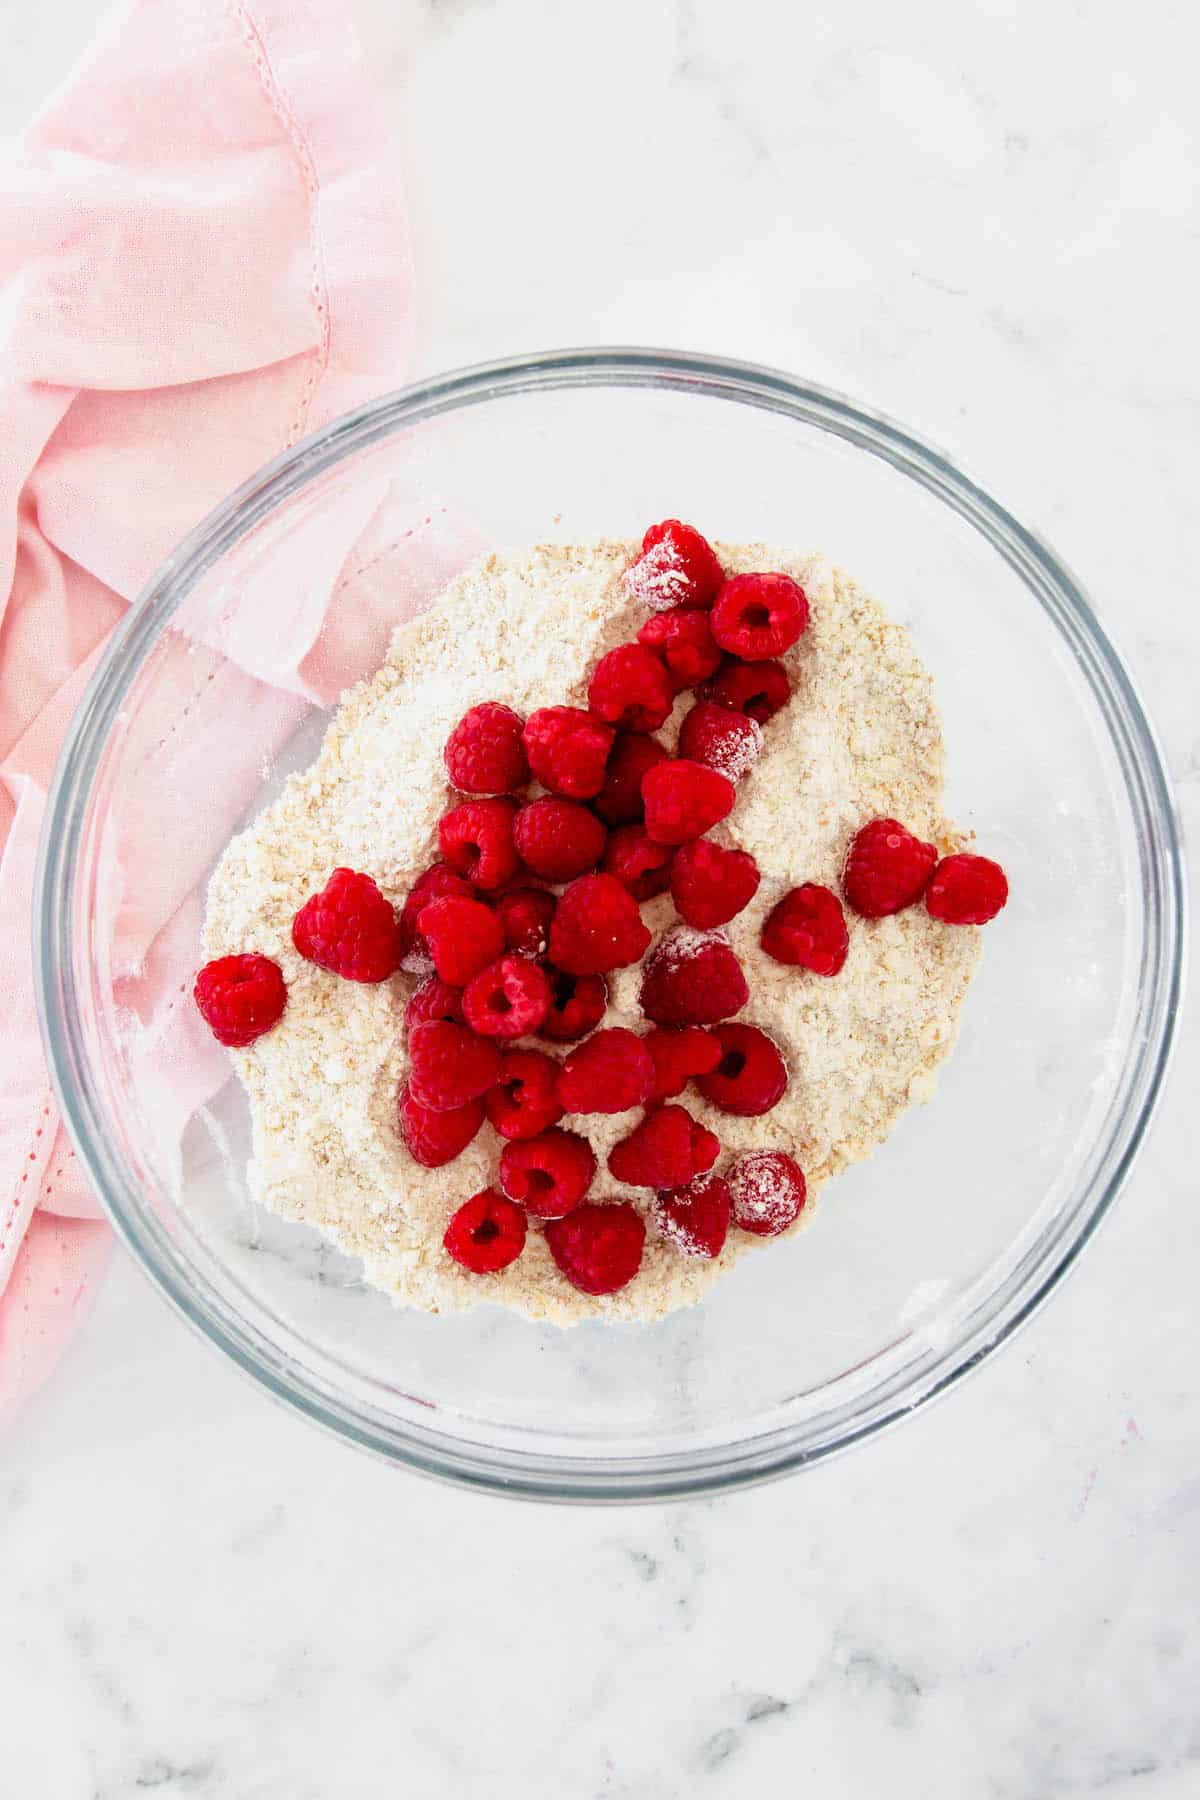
x: 926, y: 1372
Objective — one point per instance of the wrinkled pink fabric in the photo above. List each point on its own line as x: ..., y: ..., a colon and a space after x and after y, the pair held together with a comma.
x: 202, y: 258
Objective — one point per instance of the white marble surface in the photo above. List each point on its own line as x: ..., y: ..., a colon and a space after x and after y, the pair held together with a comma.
x: 982, y: 218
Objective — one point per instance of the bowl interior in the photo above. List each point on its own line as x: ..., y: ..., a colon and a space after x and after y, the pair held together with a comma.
x: 916, y: 1260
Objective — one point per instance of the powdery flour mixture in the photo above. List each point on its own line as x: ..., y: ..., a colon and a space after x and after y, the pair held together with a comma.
x: 860, y: 739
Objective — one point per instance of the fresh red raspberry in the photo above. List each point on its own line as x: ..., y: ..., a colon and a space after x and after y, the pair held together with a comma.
x: 638, y: 863
x: 767, y: 1191
x: 558, y: 839
x: 484, y: 753
x: 349, y: 928
x: 597, y: 927
x: 567, y: 750
x: 463, y: 936
x: 665, y: 1150
x: 694, y: 1218
x: 683, y: 638
x: 476, y: 839
x: 630, y: 689
x: 966, y: 890
x: 759, y: 616
x: 677, y: 567
x: 434, y: 1138
x: 434, y: 999
x: 759, y: 689
x: 598, y: 1247
x: 887, y: 868
x: 486, y: 1233
x: 549, y: 1174
x: 577, y: 1005
x: 619, y: 801
x: 523, y: 1100
x: 609, y: 1073
x: 449, y: 1065
x: 678, y: 1055
x: 435, y: 884
x: 711, y: 885
x: 724, y: 740
x: 807, y: 929
x: 525, y: 914
x: 692, y: 978
x: 684, y: 799
x: 751, y: 1076
x: 240, y: 997
x: 507, y: 1000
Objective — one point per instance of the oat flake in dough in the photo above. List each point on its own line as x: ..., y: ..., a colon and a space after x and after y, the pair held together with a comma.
x: 861, y: 738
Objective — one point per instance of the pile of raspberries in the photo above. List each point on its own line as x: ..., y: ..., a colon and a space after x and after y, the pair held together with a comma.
x: 535, y: 900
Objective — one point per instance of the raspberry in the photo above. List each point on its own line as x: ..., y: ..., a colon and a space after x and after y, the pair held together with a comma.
x: 349, y: 928
x: 710, y: 885
x: 630, y: 689
x: 619, y: 801
x: 966, y: 890
x: 758, y: 689
x: 638, y: 863
x: 684, y: 799
x: 476, y: 839
x: 434, y: 1138
x: 665, y: 1150
x: 549, y: 1174
x: 683, y: 638
x: 807, y: 929
x: 484, y: 753
x: 597, y: 927
x: 609, y: 1073
x: 677, y: 567
x: 449, y: 1065
x: 694, y: 1218
x: 507, y: 1000
x: 525, y: 914
x: 598, y: 1248
x: 558, y: 839
x: 678, y: 1055
x: 434, y: 999
x: 751, y: 1075
x: 577, y: 1005
x: 486, y: 1233
x: 523, y: 1100
x: 887, y: 868
x: 464, y: 936
x: 759, y: 616
x: 692, y: 979
x: 723, y: 739
x: 240, y: 997
x: 767, y: 1191
x: 435, y: 884
x: 567, y: 750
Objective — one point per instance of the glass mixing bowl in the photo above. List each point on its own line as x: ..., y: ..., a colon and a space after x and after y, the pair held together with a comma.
x: 918, y: 1262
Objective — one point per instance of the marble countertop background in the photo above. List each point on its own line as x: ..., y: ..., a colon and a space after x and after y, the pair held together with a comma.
x: 984, y: 220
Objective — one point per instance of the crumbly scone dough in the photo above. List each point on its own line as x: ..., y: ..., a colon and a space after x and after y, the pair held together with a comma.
x: 861, y: 738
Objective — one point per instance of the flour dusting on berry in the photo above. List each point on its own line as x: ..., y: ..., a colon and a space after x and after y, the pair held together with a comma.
x: 656, y: 579
x: 845, y: 731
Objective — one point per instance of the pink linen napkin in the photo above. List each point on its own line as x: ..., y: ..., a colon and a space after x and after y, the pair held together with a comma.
x: 202, y: 259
